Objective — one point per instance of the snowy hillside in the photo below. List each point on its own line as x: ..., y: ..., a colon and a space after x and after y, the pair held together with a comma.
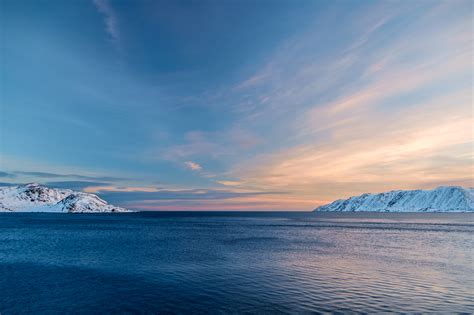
x: 441, y: 199
x: 39, y: 198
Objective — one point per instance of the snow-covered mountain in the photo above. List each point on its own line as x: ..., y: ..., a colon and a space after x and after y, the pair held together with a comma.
x: 39, y: 198
x: 441, y: 199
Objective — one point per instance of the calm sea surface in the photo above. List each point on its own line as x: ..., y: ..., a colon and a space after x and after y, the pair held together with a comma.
x: 237, y: 262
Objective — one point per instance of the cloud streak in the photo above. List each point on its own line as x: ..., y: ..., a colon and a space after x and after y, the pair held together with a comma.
x: 188, y: 199
x: 110, y: 19
x: 76, y: 176
x: 74, y: 185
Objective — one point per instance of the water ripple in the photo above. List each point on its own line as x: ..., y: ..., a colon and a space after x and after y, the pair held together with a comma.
x: 231, y: 264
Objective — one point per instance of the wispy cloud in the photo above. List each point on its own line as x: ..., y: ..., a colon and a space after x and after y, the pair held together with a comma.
x: 76, y: 176
x: 74, y: 185
x: 421, y: 145
x: 229, y: 182
x: 188, y: 199
x: 196, y: 143
x: 110, y: 19
x: 211, y: 145
x: 191, y: 194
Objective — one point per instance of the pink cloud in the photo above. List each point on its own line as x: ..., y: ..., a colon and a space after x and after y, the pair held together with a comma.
x: 193, y: 166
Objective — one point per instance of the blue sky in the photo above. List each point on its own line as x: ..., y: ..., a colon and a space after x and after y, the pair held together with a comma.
x: 253, y: 105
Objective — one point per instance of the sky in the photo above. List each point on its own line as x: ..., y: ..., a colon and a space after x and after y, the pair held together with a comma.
x: 239, y: 104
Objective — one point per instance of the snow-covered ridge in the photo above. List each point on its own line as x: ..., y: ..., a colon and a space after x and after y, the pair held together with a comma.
x: 39, y: 198
x: 441, y: 199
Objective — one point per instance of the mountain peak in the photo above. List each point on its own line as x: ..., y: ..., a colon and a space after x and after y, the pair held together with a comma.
x: 440, y: 199
x: 85, y: 202
x: 34, y: 197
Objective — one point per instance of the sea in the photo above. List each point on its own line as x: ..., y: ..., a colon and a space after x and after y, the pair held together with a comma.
x: 236, y: 263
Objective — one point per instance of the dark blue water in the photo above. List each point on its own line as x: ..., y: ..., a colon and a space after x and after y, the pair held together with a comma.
x: 236, y: 263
